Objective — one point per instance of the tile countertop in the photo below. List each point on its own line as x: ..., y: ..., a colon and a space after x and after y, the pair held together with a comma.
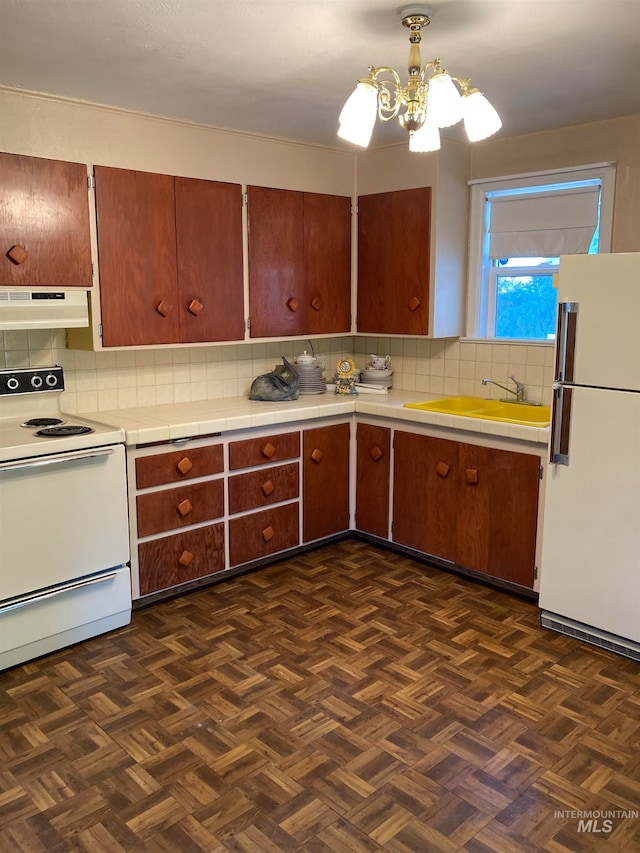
x: 169, y: 421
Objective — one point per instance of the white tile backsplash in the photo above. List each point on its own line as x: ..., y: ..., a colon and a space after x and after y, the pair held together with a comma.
x: 121, y: 379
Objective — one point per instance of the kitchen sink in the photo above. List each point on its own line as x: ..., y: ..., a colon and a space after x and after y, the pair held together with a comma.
x: 491, y: 410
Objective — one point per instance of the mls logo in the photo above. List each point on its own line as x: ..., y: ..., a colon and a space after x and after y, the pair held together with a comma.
x: 594, y: 824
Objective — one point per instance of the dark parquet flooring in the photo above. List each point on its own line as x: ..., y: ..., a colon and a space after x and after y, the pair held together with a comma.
x: 346, y: 700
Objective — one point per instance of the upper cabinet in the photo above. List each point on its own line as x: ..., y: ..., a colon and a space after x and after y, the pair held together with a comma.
x: 44, y: 223
x: 299, y: 263
x: 170, y: 258
x: 393, y: 262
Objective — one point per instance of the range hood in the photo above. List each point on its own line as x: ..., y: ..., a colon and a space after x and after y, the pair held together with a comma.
x: 23, y: 308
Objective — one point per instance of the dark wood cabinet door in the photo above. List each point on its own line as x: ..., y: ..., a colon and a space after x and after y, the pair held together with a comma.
x: 44, y: 223
x: 249, y: 452
x: 262, y: 533
x: 393, y: 262
x: 171, y: 509
x: 137, y: 257
x: 325, y: 481
x: 276, y: 259
x: 209, y: 257
x: 182, y: 557
x: 498, y: 511
x: 255, y: 489
x: 178, y: 465
x: 425, y: 494
x: 327, y: 263
x: 373, y: 469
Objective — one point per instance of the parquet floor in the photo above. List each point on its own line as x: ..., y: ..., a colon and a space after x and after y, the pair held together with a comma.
x: 347, y: 700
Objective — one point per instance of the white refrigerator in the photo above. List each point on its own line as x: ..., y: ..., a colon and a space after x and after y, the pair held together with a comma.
x: 590, y: 564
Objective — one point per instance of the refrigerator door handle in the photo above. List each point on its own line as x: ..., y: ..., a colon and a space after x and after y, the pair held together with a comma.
x: 560, y: 424
x: 566, y: 338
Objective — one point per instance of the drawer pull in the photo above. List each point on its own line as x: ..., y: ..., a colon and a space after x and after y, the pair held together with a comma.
x: 316, y: 303
x: 186, y: 558
x: 164, y: 308
x: 268, y: 488
x: 414, y: 303
x: 316, y: 455
x: 185, y: 507
x: 185, y: 465
x: 195, y: 307
x: 293, y: 304
x: 471, y: 475
x: 268, y: 533
x: 268, y: 450
x: 18, y: 254
x: 376, y: 454
x: 442, y: 469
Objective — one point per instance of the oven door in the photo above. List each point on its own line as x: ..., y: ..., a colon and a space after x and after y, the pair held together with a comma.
x: 62, y: 517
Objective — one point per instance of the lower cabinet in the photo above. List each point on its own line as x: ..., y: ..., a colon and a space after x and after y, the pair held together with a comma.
x: 326, y: 481
x: 373, y: 468
x: 260, y: 534
x: 172, y: 560
x: 474, y: 506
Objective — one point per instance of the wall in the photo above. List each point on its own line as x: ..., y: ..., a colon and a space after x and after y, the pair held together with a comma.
x: 57, y: 128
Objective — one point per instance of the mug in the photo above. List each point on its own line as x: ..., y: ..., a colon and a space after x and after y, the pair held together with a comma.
x: 380, y: 362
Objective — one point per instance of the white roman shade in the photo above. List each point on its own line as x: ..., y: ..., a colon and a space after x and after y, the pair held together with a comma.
x: 544, y: 224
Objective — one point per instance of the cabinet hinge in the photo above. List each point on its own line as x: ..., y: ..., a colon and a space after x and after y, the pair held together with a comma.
x: 246, y: 199
x: 535, y: 573
x: 91, y: 182
x: 100, y: 330
x: 248, y: 323
x: 541, y: 472
x: 93, y: 270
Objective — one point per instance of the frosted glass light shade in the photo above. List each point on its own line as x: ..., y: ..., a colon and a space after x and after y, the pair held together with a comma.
x: 358, y: 115
x: 480, y: 118
x: 427, y: 138
x: 444, y: 101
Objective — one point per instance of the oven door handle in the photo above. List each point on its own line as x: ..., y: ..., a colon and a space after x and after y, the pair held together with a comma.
x: 54, y: 460
x: 42, y: 596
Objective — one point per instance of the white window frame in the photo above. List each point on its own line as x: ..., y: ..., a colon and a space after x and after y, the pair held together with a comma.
x: 480, y: 266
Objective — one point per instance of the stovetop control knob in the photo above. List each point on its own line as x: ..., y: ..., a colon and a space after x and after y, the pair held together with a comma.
x: 36, y: 381
x: 12, y: 383
x: 51, y: 380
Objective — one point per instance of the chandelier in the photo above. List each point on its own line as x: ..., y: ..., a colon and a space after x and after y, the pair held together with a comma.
x: 431, y: 98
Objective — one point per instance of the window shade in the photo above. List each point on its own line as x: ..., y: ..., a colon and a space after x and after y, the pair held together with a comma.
x: 543, y: 225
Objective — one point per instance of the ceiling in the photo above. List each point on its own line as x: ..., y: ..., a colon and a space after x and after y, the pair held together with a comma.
x: 284, y: 68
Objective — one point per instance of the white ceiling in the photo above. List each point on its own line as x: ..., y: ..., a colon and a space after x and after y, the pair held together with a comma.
x: 284, y: 68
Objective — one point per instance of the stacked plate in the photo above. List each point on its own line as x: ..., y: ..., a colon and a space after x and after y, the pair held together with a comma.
x: 383, y: 377
x: 312, y: 379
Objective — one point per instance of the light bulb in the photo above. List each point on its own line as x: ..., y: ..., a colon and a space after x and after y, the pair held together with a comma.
x: 480, y: 118
x: 427, y: 138
x: 358, y: 115
x: 443, y: 100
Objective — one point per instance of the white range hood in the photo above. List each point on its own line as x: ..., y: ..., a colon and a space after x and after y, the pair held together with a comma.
x: 23, y: 308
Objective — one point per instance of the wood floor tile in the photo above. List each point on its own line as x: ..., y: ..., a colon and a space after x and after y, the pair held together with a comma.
x: 347, y: 700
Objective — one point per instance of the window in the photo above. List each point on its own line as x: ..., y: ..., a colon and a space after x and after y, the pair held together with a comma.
x: 519, y: 228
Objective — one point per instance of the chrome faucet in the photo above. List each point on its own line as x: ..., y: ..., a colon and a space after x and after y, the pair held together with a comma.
x: 520, y: 391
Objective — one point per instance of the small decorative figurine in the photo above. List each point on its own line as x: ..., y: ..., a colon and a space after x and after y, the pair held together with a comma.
x: 345, y: 382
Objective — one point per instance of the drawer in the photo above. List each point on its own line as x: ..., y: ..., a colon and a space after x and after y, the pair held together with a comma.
x: 178, y: 465
x: 179, y: 507
x: 182, y: 557
x: 258, y: 451
x: 262, y: 533
x: 255, y: 489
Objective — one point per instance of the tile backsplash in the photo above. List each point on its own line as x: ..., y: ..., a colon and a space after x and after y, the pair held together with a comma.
x: 122, y: 379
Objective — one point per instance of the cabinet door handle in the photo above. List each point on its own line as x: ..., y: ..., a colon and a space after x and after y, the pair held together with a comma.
x: 18, y: 254
x: 414, y: 303
x: 268, y: 450
x: 268, y: 488
x: 316, y: 303
x: 316, y: 455
x: 471, y: 476
x: 186, y: 558
x: 293, y: 304
x: 442, y: 469
x: 164, y: 308
x: 376, y: 454
x: 268, y: 533
x: 185, y: 507
x: 195, y: 307
x: 185, y: 465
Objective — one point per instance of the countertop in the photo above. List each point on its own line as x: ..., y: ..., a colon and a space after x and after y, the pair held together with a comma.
x: 146, y: 424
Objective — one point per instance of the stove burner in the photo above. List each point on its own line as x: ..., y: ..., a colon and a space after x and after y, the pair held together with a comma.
x: 67, y: 429
x: 42, y: 422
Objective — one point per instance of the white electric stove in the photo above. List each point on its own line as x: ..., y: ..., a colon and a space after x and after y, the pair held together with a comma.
x: 64, y: 540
